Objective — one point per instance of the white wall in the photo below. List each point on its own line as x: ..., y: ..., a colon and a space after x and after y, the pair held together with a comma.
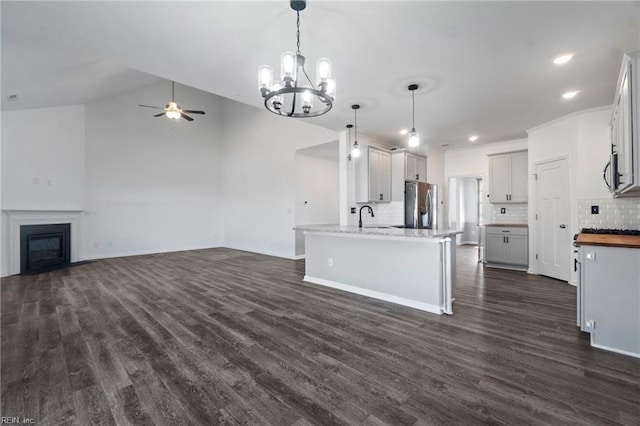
x: 259, y: 176
x: 584, y: 139
x: 43, y: 158
x: 153, y: 184
x: 42, y: 163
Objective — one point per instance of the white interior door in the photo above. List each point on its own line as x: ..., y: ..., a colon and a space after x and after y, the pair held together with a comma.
x: 554, y: 240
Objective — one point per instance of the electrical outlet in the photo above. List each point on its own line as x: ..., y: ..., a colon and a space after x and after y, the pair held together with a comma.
x: 353, y: 210
x: 595, y: 209
x: 503, y: 210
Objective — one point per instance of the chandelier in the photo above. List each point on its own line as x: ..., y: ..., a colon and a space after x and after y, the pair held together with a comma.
x: 291, y: 97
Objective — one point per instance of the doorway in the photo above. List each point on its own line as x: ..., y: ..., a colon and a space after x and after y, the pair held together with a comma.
x: 317, y: 189
x: 552, y: 205
x: 466, y: 209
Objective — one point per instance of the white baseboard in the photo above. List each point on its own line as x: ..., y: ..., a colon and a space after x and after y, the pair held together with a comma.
x: 618, y: 351
x: 509, y: 267
x: 265, y: 252
x: 375, y: 294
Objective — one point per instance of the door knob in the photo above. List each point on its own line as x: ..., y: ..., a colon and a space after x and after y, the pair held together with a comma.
x: 563, y: 226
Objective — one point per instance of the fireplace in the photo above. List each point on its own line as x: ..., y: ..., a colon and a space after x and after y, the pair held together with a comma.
x: 44, y: 247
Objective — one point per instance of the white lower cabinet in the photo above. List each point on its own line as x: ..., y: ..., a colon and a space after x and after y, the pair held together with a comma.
x: 609, y: 297
x: 507, y: 246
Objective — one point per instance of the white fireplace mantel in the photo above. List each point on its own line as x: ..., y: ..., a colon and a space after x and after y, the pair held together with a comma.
x: 17, y: 218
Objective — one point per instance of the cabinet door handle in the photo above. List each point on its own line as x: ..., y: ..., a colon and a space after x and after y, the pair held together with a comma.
x: 563, y: 226
x: 507, y: 197
x: 504, y: 240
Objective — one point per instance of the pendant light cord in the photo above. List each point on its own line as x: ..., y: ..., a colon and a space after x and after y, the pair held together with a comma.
x: 413, y: 110
x: 355, y: 114
x: 172, y: 91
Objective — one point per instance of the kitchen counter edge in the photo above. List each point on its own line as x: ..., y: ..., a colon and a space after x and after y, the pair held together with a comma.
x: 390, y: 231
x: 629, y: 241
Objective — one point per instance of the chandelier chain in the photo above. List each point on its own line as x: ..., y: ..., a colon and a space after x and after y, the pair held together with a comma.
x: 298, y: 32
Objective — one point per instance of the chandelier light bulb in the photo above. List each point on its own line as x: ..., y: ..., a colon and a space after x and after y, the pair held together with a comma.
x: 277, y: 100
x: 323, y: 70
x: 288, y: 67
x: 307, y: 101
x: 265, y: 77
x: 331, y: 87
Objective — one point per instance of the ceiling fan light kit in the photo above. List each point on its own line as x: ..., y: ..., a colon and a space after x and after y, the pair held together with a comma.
x: 172, y: 110
x: 288, y: 97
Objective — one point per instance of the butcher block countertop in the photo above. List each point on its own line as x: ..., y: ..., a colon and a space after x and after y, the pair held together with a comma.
x: 632, y: 241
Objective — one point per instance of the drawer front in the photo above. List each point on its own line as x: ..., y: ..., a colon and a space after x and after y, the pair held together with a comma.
x: 507, y: 230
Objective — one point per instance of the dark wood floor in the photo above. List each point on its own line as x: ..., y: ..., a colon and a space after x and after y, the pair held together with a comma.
x: 224, y: 336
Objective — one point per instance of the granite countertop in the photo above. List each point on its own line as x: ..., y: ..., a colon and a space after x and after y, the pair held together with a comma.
x: 385, y: 230
x: 510, y: 225
x: 631, y: 241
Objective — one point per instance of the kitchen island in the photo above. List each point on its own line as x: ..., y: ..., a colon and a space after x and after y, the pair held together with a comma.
x: 410, y: 267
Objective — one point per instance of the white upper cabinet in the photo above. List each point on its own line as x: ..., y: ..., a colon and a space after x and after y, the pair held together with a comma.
x: 373, y: 174
x: 415, y: 167
x: 406, y: 166
x: 508, y: 178
x: 625, y: 137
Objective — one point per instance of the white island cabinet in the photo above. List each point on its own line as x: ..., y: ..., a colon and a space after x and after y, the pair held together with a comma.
x: 410, y: 267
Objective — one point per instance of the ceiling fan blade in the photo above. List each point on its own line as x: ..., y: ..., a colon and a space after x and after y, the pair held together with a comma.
x: 149, y: 106
x: 159, y: 115
x: 192, y: 111
x: 186, y: 117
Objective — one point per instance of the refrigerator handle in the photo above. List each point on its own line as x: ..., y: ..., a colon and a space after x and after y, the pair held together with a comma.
x: 429, y: 209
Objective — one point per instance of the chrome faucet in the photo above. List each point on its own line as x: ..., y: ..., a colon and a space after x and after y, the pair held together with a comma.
x: 370, y: 211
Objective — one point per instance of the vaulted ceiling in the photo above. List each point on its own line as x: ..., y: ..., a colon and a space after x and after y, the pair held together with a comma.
x: 483, y: 67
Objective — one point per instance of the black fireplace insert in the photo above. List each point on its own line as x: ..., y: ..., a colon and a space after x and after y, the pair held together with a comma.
x: 44, y: 247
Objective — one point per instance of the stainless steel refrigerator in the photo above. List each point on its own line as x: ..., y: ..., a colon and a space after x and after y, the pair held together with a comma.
x: 420, y: 205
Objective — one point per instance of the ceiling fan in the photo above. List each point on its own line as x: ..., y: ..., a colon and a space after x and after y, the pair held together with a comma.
x: 172, y: 110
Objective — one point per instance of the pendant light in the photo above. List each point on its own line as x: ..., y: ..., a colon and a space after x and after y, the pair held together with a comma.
x: 414, y: 137
x: 291, y: 98
x: 355, y: 152
x: 349, y: 127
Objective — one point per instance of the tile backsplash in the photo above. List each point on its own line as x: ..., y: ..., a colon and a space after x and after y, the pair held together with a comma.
x: 385, y: 214
x: 621, y: 213
x: 513, y: 213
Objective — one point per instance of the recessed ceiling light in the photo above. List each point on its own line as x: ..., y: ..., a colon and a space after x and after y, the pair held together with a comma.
x: 571, y: 94
x: 404, y: 132
x: 473, y: 138
x: 563, y: 59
